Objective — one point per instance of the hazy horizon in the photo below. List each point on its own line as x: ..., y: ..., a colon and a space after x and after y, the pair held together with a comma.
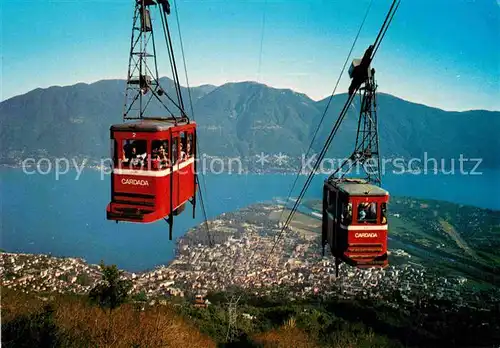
x: 435, y: 53
x: 261, y: 83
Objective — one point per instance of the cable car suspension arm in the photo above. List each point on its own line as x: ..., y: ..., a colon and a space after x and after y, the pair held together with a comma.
x: 327, y: 106
x: 358, y: 78
x: 140, y: 77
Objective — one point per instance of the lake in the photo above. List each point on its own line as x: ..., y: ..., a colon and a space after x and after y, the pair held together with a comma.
x: 68, y: 217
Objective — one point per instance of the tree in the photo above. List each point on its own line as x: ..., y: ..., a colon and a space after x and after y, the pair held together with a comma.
x: 141, y: 297
x: 112, y: 291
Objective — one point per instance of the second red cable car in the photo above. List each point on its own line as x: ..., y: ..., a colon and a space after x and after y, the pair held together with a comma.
x: 355, y: 222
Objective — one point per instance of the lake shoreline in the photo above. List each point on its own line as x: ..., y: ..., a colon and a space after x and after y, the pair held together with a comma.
x: 65, y: 217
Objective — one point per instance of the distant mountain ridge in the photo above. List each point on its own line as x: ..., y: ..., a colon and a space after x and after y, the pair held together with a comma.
x: 242, y: 119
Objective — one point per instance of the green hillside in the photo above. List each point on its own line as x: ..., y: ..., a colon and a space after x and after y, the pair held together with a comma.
x: 54, y: 320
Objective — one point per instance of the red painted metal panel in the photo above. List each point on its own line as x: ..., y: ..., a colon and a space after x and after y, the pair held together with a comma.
x: 367, y: 242
x: 143, y: 195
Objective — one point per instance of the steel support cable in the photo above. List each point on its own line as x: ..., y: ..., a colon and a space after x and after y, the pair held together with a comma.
x: 154, y: 54
x: 156, y: 95
x: 163, y: 17
x: 149, y: 101
x: 184, y: 59
x: 170, y: 57
x: 310, y: 178
x: 327, y: 105
x: 316, y: 165
x: 165, y: 105
x: 159, y: 100
x: 376, y: 43
x: 130, y: 71
x: 204, y: 210
x: 130, y: 106
x: 380, y: 36
x: 166, y: 94
x: 343, y: 164
x: 176, y: 75
x: 172, y: 65
x: 374, y: 47
x: 156, y: 75
x: 387, y: 27
x: 205, y: 217
x: 148, y: 70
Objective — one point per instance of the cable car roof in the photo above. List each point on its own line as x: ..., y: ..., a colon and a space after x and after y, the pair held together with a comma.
x: 358, y: 187
x: 149, y: 125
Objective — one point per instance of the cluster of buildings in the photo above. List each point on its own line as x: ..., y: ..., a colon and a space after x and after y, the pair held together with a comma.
x: 44, y: 273
x: 244, y: 255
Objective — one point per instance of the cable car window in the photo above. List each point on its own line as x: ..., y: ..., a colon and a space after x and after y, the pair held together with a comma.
x: 189, y: 145
x: 159, y: 154
x: 113, y: 152
x: 346, y: 216
x: 135, y: 153
x: 332, y: 202
x: 175, y: 154
x: 383, y: 212
x: 367, y: 212
x: 183, y: 146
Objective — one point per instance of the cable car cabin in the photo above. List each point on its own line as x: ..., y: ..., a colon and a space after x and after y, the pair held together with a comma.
x: 355, y: 222
x: 154, y: 170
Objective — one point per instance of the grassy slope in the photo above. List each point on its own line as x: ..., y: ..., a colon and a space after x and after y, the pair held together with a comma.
x: 69, y: 321
x: 29, y: 320
x: 447, y: 237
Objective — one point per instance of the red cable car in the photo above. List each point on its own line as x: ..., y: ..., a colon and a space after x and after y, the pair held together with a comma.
x: 355, y: 210
x: 154, y: 158
x: 154, y: 172
x: 355, y: 222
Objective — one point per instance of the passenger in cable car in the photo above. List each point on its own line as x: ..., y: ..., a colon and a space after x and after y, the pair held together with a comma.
x: 182, y: 146
x: 155, y: 158
x: 160, y: 156
x: 127, y: 152
x: 383, y: 212
x: 123, y: 159
x: 163, y: 157
x: 135, y: 159
x: 372, y: 212
x: 174, y: 151
x: 362, y: 207
x: 183, y: 154
x: 367, y: 212
x: 346, y: 217
x: 155, y: 161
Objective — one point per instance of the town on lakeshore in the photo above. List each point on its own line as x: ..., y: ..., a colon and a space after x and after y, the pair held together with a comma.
x: 240, y: 254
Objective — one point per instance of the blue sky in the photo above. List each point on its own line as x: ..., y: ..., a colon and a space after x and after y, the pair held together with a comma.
x: 443, y: 53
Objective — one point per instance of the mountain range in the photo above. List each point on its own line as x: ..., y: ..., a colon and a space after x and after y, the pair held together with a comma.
x: 242, y: 119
